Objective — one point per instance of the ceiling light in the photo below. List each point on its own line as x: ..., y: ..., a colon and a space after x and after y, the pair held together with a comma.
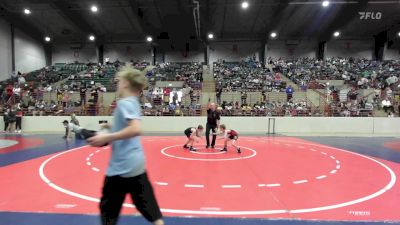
x: 94, y: 8
x: 27, y: 11
x: 336, y: 34
x: 273, y: 34
x: 325, y: 3
x: 149, y: 39
x: 245, y: 5
x: 47, y: 39
x: 91, y: 37
x: 210, y: 36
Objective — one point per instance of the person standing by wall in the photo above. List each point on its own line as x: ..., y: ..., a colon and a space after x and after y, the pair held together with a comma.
x: 213, y: 119
x: 126, y: 172
x: 12, y: 119
x: 82, y: 93
x: 18, y: 121
x: 6, y: 119
x: 218, y: 95
x: 289, y: 93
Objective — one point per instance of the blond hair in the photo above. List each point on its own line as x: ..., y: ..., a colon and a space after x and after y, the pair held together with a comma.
x: 136, y: 79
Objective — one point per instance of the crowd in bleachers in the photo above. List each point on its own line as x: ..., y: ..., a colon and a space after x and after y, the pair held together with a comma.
x: 246, y: 76
x: 361, y: 73
x: 190, y: 73
x: 25, y: 92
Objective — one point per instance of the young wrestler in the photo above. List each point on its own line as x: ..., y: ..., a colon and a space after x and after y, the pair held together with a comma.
x: 192, y: 133
x: 229, y: 135
x: 126, y: 173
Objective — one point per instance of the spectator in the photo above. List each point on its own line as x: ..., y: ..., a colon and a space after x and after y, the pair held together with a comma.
x: 6, y: 119
x: 12, y: 119
x: 218, y: 95
x: 82, y: 93
x: 18, y: 116
x: 387, y: 105
x: 95, y: 95
x: 243, y: 97
x: 289, y: 93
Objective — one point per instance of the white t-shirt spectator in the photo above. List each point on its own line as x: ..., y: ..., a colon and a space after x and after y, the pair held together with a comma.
x: 17, y: 91
x: 21, y: 80
x: 386, y: 102
x: 389, y: 92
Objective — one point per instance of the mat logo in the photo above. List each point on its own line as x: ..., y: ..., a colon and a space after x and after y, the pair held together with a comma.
x: 370, y: 15
x: 360, y: 213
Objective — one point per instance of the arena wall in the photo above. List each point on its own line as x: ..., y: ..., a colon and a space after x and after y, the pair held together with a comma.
x: 5, y: 50
x: 234, y: 51
x: 29, y: 53
x: 392, y: 54
x: 245, y: 125
x: 70, y: 54
x: 182, y: 56
x: 350, y: 48
x: 128, y: 52
x: 291, y: 49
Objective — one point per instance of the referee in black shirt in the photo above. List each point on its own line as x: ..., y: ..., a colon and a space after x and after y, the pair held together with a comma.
x: 213, y: 118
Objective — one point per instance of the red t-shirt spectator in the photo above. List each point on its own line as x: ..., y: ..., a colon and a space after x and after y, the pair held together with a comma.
x: 167, y: 91
x: 9, y: 90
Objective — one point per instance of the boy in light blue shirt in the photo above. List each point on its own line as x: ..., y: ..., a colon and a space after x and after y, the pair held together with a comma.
x: 126, y: 171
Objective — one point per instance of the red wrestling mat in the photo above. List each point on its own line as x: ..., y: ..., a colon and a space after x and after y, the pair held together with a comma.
x: 274, y: 177
x: 23, y: 143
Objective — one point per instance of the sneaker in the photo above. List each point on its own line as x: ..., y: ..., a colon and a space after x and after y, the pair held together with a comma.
x: 185, y: 146
x: 238, y: 150
x: 192, y: 149
x: 207, y: 146
x: 224, y: 150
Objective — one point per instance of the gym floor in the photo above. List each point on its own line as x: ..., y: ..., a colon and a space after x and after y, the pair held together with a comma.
x: 275, y: 180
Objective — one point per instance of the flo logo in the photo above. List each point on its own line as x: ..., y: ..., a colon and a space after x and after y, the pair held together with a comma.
x: 370, y: 15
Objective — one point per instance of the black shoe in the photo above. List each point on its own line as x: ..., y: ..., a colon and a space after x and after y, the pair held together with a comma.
x: 207, y: 146
x: 185, y: 146
x: 238, y: 150
x: 224, y: 150
x: 212, y: 146
x: 192, y: 149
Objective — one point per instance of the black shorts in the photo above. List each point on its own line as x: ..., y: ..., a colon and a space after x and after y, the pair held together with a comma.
x: 116, y: 187
x: 233, y: 137
x: 188, y: 134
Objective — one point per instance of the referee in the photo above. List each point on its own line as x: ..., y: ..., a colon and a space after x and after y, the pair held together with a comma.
x: 213, y: 118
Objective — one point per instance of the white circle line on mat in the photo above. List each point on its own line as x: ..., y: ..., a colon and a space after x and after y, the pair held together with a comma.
x: 387, y: 187
x: 163, y: 151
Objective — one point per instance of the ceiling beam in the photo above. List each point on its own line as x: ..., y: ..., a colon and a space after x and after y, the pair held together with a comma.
x: 256, y: 18
x: 137, y: 11
x: 75, y: 17
x: 223, y: 19
x: 276, y: 17
x: 345, y: 15
x: 18, y: 21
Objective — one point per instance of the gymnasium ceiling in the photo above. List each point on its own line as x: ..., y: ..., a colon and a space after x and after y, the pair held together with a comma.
x: 172, y: 21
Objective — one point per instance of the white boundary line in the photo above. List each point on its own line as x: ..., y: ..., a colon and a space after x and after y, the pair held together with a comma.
x: 194, y: 185
x: 231, y: 186
x: 300, y: 181
x: 321, y: 177
x: 254, y: 212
